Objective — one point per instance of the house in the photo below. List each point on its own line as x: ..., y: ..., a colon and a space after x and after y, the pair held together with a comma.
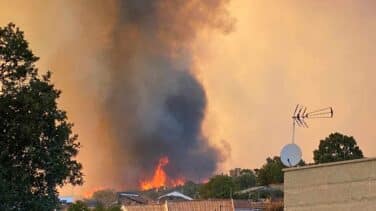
x: 131, y: 198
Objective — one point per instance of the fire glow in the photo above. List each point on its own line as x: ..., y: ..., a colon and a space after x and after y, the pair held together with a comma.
x: 160, y: 178
x: 89, y: 193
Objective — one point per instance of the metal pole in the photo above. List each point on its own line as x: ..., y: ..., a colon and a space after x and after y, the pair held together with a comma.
x: 293, y: 132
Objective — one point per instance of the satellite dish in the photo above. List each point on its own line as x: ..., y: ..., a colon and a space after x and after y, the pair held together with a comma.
x: 291, y: 155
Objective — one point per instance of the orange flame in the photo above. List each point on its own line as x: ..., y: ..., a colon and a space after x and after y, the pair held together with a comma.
x: 160, y: 178
x: 178, y: 182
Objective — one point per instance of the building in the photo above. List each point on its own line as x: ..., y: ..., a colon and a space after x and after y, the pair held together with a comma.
x: 174, y: 196
x: 130, y: 198
x: 345, y: 185
x: 235, y: 172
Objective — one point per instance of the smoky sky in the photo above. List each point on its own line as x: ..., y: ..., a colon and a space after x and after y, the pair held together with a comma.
x: 155, y: 104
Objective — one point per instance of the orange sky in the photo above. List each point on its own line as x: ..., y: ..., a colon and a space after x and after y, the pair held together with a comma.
x: 317, y: 53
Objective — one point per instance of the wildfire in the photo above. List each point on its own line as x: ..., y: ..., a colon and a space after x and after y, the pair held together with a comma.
x: 160, y: 178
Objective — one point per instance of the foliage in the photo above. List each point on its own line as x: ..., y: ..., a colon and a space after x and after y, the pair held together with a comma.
x: 78, y: 206
x: 220, y: 186
x: 191, y: 189
x: 246, y: 180
x: 36, y: 142
x: 337, y: 147
x: 270, y: 172
x: 105, y: 197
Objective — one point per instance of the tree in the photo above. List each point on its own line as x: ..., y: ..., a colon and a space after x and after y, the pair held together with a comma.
x: 190, y: 189
x: 270, y: 172
x: 220, y: 186
x: 337, y: 147
x: 78, y: 206
x: 37, y: 147
x: 246, y: 180
x: 106, y: 197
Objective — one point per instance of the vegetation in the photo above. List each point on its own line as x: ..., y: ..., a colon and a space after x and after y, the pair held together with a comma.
x: 337, y: 147
x: 36, y: 141
x: 191, y: 189
x: 220, y: 186
x: 78, y: 206
x: 246, y: 180
x: 223, y: 186
x: 105, y: 198
x: 270, y: 172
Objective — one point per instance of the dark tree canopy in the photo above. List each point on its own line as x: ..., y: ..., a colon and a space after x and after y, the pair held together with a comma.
x: 191, y: 189
x: 246, y: 180
x: 106, y: 197
x: 337, y: 147
x: 220, y: 186
x: 270, y: 172
x: 37, y: 147
x: 78, y: 206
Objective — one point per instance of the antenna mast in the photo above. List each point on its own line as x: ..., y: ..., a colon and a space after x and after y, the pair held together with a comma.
x: 301, y: 114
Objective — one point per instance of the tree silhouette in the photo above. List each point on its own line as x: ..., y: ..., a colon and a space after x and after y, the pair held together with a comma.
x: 37, y: 148
x: 337, y: 147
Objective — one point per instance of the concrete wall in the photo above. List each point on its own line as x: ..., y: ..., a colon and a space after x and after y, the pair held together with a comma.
x: 347, y: 185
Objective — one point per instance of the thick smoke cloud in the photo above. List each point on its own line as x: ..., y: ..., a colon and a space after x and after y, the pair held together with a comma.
x: 128, y: 75
x: 155, y: 105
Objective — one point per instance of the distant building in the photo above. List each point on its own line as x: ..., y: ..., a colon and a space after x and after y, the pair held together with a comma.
x: 65, y: 202
x: 235, y: 172
x: 66, y: 199
x: 130, y: 198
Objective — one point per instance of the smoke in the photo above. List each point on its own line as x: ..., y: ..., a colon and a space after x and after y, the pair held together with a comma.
x: 155, y: 105
x: 128, y: 75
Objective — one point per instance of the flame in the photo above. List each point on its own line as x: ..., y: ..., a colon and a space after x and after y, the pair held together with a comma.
x: 178, y: 182
x: 160, y: 178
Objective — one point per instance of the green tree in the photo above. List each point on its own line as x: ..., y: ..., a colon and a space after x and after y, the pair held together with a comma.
x: 270, y: 172
x: 220, y: 186
x: 337, y: 147
x: 37, y: 148
x: 78, y: 206
x: 246, y: 180
x: 105, y: 197
x: 190, y: 189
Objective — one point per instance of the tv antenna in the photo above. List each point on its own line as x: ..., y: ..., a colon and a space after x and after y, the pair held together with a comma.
x: 291, y: 153
x: 301, y: 115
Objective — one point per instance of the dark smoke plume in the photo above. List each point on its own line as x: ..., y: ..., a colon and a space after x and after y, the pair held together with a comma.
x: 155, y: 104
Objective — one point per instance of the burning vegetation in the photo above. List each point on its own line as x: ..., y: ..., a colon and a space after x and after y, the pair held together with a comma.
x: 160, y: 178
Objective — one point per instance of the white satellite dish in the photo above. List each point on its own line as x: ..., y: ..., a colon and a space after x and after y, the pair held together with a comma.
x: 291, y: 155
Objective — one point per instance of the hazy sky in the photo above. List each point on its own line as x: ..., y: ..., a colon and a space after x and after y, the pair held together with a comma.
x: 316, y: 53
x: 280, y: 53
